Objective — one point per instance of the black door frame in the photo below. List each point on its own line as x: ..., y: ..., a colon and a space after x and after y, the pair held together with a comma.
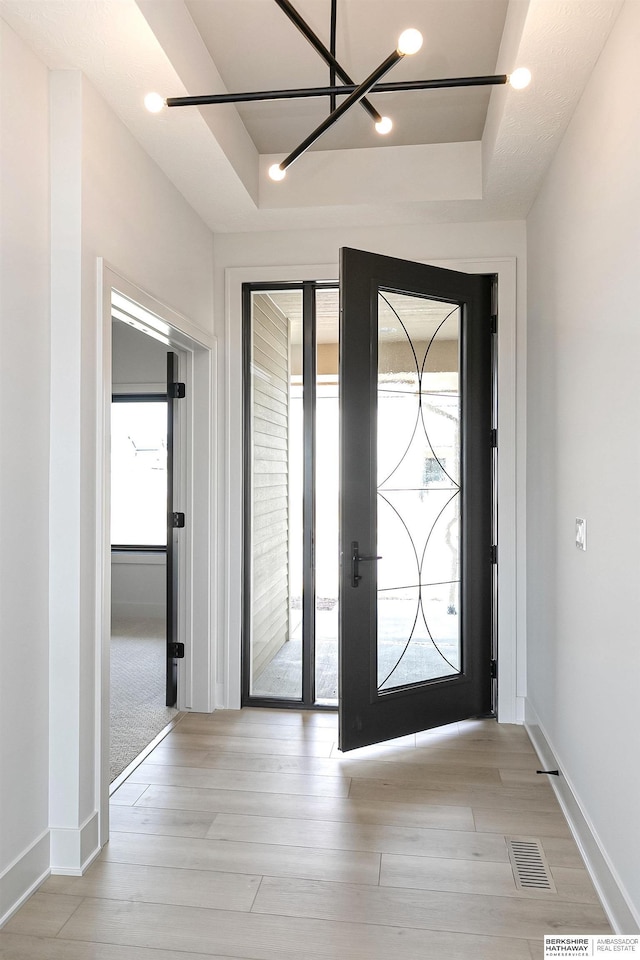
x: 308, y: 289
x: 175, y: 521
x: 308, y: 681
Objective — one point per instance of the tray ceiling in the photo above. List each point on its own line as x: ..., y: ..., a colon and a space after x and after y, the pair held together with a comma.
x: 456, y: 155
x: 256, y: 47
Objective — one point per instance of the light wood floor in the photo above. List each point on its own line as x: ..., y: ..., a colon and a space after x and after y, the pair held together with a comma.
x: 248, y: 835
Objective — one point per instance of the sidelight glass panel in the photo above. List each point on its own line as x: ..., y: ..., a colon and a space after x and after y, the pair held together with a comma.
x: 292, y: 547
x: 275, y: 511
x: 418, y: 502
x: 327, y: 477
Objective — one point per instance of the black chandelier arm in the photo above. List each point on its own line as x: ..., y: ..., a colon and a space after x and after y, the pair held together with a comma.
x: 351, y: 100
x: 443, y: 83
x: 333, y: 32
x: 298, y: 93
x: 326, y: 54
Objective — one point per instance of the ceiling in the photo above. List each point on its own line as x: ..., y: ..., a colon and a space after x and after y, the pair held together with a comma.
x: 458, y: 42
x: 454, y: 155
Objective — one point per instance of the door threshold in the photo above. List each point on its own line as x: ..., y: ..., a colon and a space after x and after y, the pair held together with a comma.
x: 275, y: 704
x: 135, y: 763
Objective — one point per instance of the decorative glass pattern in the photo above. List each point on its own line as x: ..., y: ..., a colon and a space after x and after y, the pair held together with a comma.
x: 419, y: 493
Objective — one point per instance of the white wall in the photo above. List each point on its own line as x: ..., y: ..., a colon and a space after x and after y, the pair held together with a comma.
x: 138, y: 586
x: 137, y: 220
x: 24, y: 468
x: 102, y: 197
x: 139, y: 363
x: 283, y: 255
x: 427, y: 241
x: 130, y: 215
x: 584, y: 429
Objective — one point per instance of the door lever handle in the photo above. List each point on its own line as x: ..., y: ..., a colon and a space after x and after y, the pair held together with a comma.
x: 356, y: 558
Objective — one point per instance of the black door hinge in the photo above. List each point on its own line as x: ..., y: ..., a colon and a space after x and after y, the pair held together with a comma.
x: 494, y: 669
x: 175, y: 650
x: 494, y: 438
x: 494, y: 323
x: 178, y: 391
x: 177, y: 520
x: 494, y: 553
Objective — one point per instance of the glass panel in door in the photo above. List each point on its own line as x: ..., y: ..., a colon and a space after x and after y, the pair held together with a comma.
x: 419, y: 490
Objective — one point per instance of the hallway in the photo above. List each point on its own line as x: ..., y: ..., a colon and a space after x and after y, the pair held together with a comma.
x: 247, y: 835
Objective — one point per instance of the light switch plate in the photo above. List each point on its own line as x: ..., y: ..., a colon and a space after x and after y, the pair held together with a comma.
x: 581, y: 533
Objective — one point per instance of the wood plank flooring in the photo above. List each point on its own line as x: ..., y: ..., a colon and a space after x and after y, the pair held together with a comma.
x: 247, y: 835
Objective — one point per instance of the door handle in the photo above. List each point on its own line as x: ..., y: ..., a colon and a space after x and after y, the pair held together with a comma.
x: 356, y: 559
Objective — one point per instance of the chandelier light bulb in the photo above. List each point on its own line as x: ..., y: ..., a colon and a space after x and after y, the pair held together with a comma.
x: 520, y: 78
x: 276, y: 173
x: 154, y: 102
x: 384, y: 125
x: 409, y: 42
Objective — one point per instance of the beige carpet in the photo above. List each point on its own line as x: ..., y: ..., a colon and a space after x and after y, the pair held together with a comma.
x: 138, y: 711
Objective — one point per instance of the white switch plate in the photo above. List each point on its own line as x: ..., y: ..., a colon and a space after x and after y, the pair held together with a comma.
x: 581, y: 533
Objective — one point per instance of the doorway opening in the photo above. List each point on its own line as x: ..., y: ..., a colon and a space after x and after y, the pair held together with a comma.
x: 509, y: 520
x: 405, y: 366
x: 194, y: 539
x: 139, y: 485
x: 291, y: 429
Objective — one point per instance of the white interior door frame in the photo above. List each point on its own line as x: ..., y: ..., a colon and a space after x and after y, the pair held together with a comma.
x: 511, y: 619
x: 196, y: 467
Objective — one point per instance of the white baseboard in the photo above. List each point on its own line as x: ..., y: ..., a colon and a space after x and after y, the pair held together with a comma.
x: 520, y: 708
x: 615, y: 901
x: 23, y: 877
x: 74, y: 850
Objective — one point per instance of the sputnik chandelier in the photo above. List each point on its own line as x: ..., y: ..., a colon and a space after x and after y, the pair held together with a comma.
x: 409, y: 42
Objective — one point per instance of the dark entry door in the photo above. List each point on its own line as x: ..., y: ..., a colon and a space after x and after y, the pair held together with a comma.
x: 416, y: 497
x: 175, y: 521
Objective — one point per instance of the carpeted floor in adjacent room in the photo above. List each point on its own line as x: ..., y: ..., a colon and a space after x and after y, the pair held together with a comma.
x: 138, y: 711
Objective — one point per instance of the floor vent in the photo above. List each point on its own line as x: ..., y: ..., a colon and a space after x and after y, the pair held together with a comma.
x: 529, y: 864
